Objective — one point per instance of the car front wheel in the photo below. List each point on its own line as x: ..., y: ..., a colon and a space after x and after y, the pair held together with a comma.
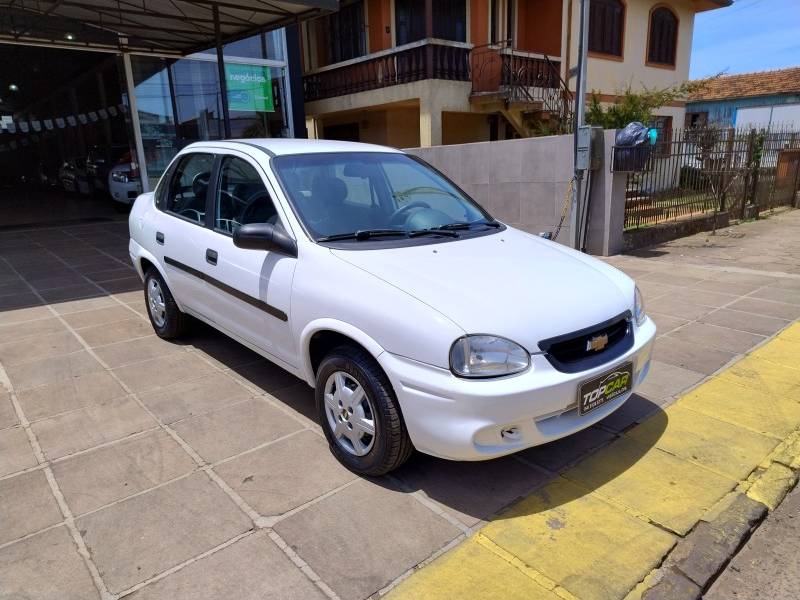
x: 359, y: 413
x: 166, y: 318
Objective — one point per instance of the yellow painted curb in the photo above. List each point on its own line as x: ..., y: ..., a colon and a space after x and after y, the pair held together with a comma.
x: 772, y: 485
x: 598, y: 530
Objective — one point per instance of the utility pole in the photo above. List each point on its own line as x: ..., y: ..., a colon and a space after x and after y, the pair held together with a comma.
x: 581, y: 162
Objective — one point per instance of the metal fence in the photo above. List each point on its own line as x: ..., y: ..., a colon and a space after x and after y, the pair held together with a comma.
x: 693, y: 173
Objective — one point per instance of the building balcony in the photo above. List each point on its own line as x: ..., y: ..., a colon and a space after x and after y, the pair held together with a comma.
x: 424, y: 59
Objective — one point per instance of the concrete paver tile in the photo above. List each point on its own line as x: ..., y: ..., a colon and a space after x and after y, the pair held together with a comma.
x: 90, y: 426
x: 471, y: 571
x: 235, y: 428
x: 286, y: 474
x: 68, y: 394
x: 470, y: 491
x: 22, y: 313
x: 381, y: 533
x: 98, y: 316
x: 672, y: 492
x: 742, y: 321
x: 252, y: 568
x: 83, y: 304
x: 778, y: 294
x: 94, y: 479
x: 665, y: 381
x: 727, y: 398
x: 132, y: 351
x: 588, y: 546
x: 50, y: 370
x: 690, y: 356
x: 265, y: 376
x: 70, y: 292
x: 721, y: 338
x: 45, y: 567
x: 665, y: 323
x: 27, y: 505
x: 635, y: 409
x: 186, y: 398
x: 117, y: 331
x: 16, y: 453
x: 37, y: 348
x: 768, y: 308
x: 669, y: 305
x: 703, y: 297
x: 147, y: 534
x: 554, y: 456
x: 708, y: 441
x: 40, y: 327
x: 162, y: 371
x: 8, y: 416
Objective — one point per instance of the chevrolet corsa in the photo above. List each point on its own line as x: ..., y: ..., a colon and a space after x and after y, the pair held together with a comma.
x: 420, y: 321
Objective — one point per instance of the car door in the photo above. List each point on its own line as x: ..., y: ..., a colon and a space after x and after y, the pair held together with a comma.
x: 181, y: 230
x: 253, y: 287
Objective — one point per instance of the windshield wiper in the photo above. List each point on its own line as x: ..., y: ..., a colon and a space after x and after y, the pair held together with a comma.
x: 461, y: 226
x: 362, y: 234
x: 433, y: 231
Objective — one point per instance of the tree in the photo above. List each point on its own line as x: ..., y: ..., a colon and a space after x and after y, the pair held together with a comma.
x: 632, y: 105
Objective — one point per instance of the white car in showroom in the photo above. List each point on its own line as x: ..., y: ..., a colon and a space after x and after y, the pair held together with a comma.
x: 420, y: 320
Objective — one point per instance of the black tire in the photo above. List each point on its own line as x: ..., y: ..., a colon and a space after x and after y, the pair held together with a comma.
x: 175, y: 322
x: 391, y: 446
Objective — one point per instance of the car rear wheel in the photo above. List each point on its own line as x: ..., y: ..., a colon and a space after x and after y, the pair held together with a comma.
x: 359, y: 413
x: 166, y: 318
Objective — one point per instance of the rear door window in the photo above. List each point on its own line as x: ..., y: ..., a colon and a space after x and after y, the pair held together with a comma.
x: 187, y: 191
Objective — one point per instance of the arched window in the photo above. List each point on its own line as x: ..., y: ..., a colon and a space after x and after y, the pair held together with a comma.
x: 663, y: 37
x: 606, y: 27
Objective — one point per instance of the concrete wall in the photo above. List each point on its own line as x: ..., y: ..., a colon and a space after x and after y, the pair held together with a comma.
x: 520, y: 182
x: 523, y: 183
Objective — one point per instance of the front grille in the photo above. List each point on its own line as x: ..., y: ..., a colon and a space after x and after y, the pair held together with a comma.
x: 570, y: 353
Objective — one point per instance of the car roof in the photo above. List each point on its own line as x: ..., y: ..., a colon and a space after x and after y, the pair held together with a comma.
x: 281, y: 146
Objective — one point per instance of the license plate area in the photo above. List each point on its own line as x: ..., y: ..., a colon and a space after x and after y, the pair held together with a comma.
x: 604, y: 388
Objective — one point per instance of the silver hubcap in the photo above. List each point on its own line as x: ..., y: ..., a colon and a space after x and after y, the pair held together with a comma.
x: 350, y: 413
x: 155, y: 302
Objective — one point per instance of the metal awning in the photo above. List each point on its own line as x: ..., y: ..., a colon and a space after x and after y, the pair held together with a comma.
x: 165, y: 27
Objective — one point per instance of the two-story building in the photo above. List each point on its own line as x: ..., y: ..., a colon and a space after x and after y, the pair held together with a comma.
x: 423, y: 72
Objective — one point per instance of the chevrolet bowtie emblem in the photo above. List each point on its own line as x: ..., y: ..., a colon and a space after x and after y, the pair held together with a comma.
x: 597, y: 343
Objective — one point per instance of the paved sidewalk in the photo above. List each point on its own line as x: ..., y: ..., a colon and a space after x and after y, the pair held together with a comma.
x: 618, y: 522
x: 197, y: 470
x: 767, y: 566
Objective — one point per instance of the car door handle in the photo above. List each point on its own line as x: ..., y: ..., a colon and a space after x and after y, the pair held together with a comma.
x: 211, y: 256
x: 160, y: 238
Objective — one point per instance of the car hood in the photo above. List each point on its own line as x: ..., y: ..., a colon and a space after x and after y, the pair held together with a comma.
x: 509, y: 283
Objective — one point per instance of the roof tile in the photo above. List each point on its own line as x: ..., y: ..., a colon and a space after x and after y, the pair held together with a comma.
x: 763, y: 83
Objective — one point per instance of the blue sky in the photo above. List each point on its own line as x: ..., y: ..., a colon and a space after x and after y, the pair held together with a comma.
x: 751, y: 35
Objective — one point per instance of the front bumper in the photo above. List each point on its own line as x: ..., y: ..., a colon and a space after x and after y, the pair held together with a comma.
x: 462, y: 419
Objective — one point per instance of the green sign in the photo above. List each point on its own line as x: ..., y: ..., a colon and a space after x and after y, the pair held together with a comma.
x: 249, y: 88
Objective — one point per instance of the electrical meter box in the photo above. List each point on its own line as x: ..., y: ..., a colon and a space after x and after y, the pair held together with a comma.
x: 590, y: 148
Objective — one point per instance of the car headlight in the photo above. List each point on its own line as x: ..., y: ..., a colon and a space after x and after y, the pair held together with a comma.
x: 119, y: 177
x: 478, y: 356
x: 638, y: 307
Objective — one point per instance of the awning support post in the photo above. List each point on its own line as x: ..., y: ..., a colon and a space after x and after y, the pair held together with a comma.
x: 223, y: 86
x: 135, y: 125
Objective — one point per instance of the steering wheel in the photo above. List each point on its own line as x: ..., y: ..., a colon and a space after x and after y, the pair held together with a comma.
x: 200, y: 184
x: 250, y: 211
x: 393, y: 219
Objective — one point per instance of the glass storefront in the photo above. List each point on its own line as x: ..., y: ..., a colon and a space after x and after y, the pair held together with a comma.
x: 179, y: 101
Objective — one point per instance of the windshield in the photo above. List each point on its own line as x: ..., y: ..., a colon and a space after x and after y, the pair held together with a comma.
x: 371, y: 193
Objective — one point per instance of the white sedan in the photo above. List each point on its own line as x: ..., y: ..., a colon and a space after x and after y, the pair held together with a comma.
x: 420, y: 320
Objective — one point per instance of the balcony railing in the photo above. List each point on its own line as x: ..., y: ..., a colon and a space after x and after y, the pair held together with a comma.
x: 426, y: 59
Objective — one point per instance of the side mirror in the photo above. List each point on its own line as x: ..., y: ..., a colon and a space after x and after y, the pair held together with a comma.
x: 265, y: 236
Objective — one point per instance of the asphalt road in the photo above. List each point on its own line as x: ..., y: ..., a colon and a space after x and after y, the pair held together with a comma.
x: 767, y: 566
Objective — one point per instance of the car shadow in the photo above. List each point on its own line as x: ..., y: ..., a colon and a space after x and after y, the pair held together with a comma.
x: 480, y: 491
x: 471, y: 491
